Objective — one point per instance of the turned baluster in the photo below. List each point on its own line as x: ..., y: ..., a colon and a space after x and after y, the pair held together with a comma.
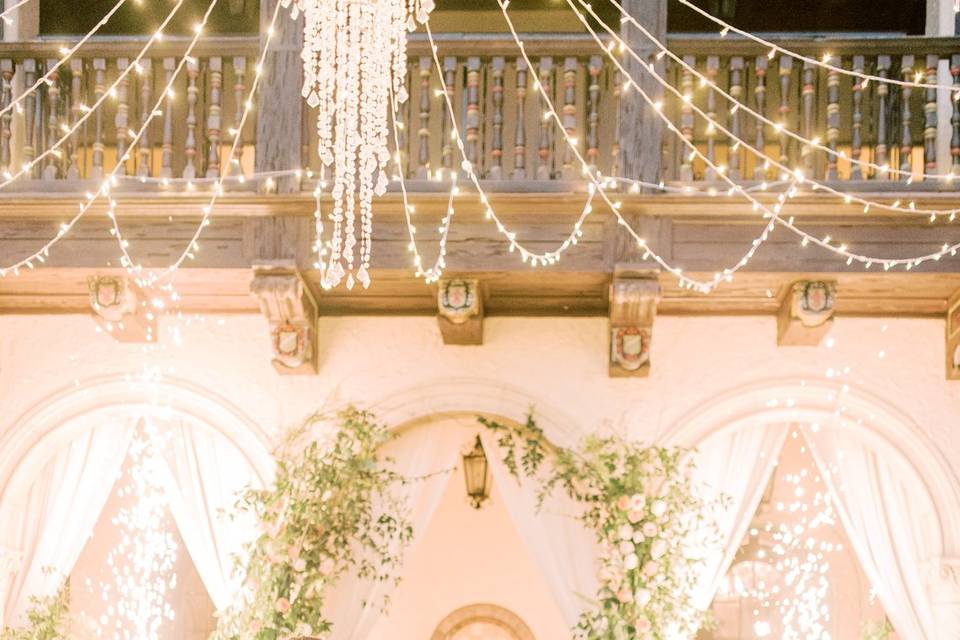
x: 883, y: 93
x: 6, y: 99
x: 239, y: 96
x: 166, y: 153
x: 51, y: 170
x: 472, y: 137
x: 760, y: 97
x: 736, y: 90
x: 99, y: 87
x: 190, y: 144
x: 122, y: 119
x: 955, y: 119
x: 833, y: 121
x: 686, y: 117
x: 856, y: 127
x: 214, y: 115
x: 570, y: 116
x: 713, y: 68
x: 423, y: 132
x: 496, y: 153
x: 76, y: 111
x: 615, y: 146
x: 520, y: 135
x: 808, y: 97
x: 146, y: 106
x: 447, y: 151
x: 29, y: 116
x: 595, y: 66
x: 786, y: 72
x: 906, y: 136
x: 545, y: 147
x: 930, y: 117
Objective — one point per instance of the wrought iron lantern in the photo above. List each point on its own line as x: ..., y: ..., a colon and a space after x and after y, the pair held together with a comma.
x: 475, y: 474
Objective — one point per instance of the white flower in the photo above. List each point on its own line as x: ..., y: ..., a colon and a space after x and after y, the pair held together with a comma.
x: 658, y: 508
x: 658, y: 548
x: 651, y: 568
x: 649, y: 529
x: 299, y: 565
x: 638, y: 537
x: 637, y: 502
x: 626, y: 532
x: 631, y: 562
x: 642, y: 597
x: 626, y: 547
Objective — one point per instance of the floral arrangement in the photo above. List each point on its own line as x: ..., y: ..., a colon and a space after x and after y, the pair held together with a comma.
x: 876, y: 630
x: 47, y: 618
x: 641, y: 503
x: 331, y: 510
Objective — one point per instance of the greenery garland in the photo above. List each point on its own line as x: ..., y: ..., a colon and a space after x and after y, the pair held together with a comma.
x: 642, y: 505
x: 47, y: 618
x: 332, y: 510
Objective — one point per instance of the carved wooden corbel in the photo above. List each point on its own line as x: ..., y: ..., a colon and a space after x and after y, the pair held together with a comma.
x: 121, y: 308
x: 634, y: 295
x: 953, y: 338
x: 806, y: 313
x: 290, y: 309
x: 460, y: 311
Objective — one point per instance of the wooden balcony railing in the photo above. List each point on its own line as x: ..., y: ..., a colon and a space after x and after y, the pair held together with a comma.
x: 499, y: 110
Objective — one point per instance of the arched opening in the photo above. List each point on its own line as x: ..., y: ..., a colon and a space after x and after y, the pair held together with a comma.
x: 482, y: 622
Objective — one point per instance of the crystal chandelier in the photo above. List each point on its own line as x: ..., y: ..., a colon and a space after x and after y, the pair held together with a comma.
x: 354, y: 56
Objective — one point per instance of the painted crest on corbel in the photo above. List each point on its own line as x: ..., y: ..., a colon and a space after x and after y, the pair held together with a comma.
x: 460, y: 311
x: 634, y: 296
x: 806, y: 312
x: 121, y: 309
x: 291, y: 311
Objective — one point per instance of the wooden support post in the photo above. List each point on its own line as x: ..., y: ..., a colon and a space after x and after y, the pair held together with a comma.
x: 121, y: 309
x: 806, y: 313
x: 634, y: 296
x: 641, y: 130
x: 952, y: 351
x: 279, y: 107
x: 291, y: 311
x: 460, y: 311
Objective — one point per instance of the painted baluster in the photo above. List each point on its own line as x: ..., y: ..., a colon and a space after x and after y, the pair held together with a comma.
x: 570, y: 116
x: 808, y: 98
x: 833, y: 120
x: 883, y: 92
x: 239, y: 95
x: 520, y: 135
x: 955, y: 119
x: 166, y: 153
x: 615, y: 146
x: 760, y: 97
x: 496, y: 153
x: 930, y: 117
x: 786, y: 73
x: 214, y: 115
x: 472, y: 133
x: 99, y: 87
x: 423, y: 132
x: 51, y: 170
x: 448, y: 152
x: 686, y: 118
x: 404, y: 126
x: 29, y: 116
x: 713, y: 68
x: 545, y: 147
x: 906, y: 137
x: 122, y: 119
x: 595, y: 67
x: 856, y: 127
x: 146, y: 105
x: 6, y: 99
x: 190, y: 144
x: 76, y: 99
x: 736, y: 90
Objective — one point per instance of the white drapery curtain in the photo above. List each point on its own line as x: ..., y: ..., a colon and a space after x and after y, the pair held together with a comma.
x: 50, y: 524
x: 892, y: 526
x: 355, y: 605
x: 736, y: 464
x: 206, y: 474
x: 561, y: 547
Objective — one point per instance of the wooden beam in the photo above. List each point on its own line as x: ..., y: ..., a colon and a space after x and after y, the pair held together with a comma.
x: 122, y: 309
x: 291, y: 310
x: 806, y: 313
x: 634, y: 295
x: 460, y: 311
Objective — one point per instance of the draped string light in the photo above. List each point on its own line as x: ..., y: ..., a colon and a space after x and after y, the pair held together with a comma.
x: 5, y: 14
x: 354, y: 54
x: 812, y: 143
x: 773, y: 48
